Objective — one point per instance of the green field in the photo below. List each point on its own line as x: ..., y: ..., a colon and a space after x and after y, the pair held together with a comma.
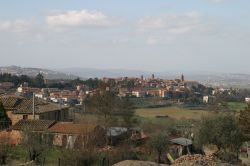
x: 237, y: 106
x: 172, y: 112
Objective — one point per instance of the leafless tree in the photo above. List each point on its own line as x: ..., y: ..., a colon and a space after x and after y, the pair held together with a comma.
x: 36, y: 143
x: 159, y: 144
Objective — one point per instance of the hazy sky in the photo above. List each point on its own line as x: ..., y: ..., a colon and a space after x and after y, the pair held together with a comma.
x: 155, y: 35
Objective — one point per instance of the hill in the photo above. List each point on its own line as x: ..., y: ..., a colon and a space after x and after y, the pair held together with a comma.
x: 48, y: 74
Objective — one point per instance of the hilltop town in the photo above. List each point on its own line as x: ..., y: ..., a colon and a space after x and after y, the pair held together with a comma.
x: 146, y: 115
x: 129, y: 87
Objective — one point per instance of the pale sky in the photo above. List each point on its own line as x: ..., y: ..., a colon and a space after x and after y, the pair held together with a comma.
x: 154, y: 35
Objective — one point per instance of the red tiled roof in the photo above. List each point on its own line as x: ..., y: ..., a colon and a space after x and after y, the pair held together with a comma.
x: 21, y: 105
x: 72, y: 128
x: 34, y: 125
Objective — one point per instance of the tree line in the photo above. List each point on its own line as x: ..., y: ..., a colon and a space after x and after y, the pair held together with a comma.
x: 39, y: 81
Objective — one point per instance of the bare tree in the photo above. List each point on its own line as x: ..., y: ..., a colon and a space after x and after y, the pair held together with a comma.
x: 36, y: 143
x: 112, y: 110
x: 159, y: 144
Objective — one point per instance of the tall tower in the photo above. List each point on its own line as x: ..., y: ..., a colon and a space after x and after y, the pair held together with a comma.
x: 153, y: 77
x: 182, y: 78
x: 141, y: 77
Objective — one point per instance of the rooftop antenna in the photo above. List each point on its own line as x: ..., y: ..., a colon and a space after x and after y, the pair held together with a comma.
x: 33, y: 110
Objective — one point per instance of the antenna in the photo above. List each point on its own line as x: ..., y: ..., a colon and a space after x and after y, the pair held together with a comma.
x: 33, y: 110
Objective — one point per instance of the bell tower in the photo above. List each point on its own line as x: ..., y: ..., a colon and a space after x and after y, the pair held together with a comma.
x: 182, y: 78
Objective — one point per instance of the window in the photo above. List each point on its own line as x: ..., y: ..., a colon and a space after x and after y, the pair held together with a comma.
x: 25, y: 117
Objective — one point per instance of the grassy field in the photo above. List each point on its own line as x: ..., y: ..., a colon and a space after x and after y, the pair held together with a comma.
x: 237, y: 106
x: 172, y: 112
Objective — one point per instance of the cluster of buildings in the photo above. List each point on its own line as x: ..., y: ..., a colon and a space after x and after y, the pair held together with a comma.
x: 46, y: 110
x: 55, y: 95
x: 40, y: 116
x: 141, y: 87
x: 52, y: 120
x: 123, y: 87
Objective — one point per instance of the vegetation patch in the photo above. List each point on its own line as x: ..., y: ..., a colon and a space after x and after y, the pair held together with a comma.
x: 172, y: 112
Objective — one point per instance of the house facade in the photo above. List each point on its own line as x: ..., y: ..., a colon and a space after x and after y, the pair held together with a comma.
x: 71, y: 135
x: 18, y: 108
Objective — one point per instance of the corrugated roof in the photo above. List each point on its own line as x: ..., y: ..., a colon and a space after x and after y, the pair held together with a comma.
x: 182, y: 141
x: 72, y: 128
x: 34, y: 125
x: 115, y: 131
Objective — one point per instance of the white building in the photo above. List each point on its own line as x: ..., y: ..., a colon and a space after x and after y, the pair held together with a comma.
x: 139, y: 93
x: 208, y: 99
x: 247, y: 99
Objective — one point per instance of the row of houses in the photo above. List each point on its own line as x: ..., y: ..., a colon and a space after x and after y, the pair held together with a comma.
x: 153, y: 92
x: 71, y: 135
x: 63, y: 134
x: 55, y: 95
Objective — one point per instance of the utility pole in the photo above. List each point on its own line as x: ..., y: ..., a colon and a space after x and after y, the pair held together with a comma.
x: 33, y: 110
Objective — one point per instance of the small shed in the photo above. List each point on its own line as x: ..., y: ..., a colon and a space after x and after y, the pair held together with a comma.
x: 116, y: 134
x: 137, y: 135
x: 181, y: 146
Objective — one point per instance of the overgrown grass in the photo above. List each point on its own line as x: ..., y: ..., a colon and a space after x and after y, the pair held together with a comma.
x: 236, y: 106
x: 52, y: 155
x: 172, y: 112
x: 20, y: 153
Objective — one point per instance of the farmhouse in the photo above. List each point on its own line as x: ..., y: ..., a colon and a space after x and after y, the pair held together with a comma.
x: 71, y: 135
x: 18, y: 108
x: 16, y: 133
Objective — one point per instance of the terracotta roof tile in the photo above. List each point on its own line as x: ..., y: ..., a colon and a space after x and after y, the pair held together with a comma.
x: 35, y: 125
x: 21, y: 105
x: 72, y: 128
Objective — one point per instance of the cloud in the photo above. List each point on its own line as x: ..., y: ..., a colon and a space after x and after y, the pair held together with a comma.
x: 151, y: 40
x: 171, y: 23
x: 167, y: 28
x: 79, y: 18
x: 17, y: 26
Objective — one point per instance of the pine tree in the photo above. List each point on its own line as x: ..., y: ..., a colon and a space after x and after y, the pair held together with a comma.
x: 244, y: 120
x: 39, y: 81
x: 4, y: 119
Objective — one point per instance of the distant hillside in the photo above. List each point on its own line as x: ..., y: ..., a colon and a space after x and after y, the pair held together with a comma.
x: 224, y: 79
x: 237, y: 80
x: 100, y: 73
x: 48, y: 74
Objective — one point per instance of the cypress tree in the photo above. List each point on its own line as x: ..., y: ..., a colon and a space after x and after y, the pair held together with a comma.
x: 4, y: 119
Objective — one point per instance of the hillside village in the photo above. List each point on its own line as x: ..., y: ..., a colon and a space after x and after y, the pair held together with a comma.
x: 123, y: 87
x: 105, y: 118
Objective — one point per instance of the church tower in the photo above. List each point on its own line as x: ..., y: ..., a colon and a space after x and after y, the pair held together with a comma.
x: 153, y: 77
x: 182, y: 78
